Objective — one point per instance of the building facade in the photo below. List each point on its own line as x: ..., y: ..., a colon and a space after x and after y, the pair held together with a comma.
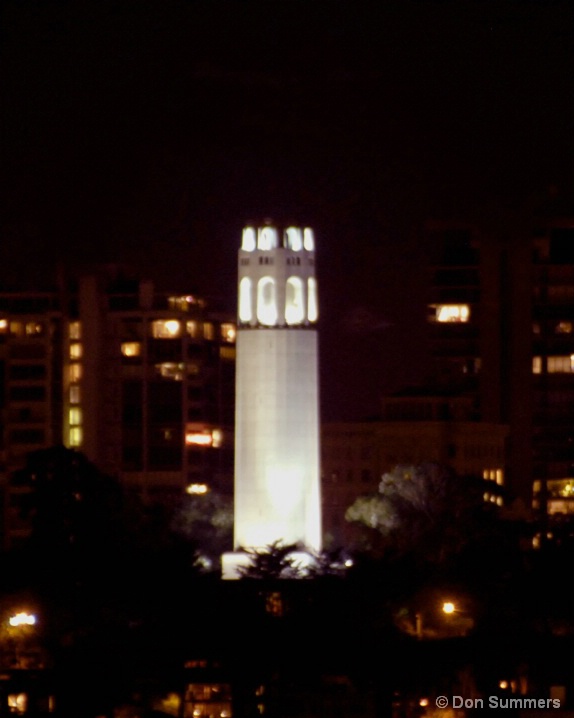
x: 502, y: 332
x: 412, y: 430
x: 141, y: 382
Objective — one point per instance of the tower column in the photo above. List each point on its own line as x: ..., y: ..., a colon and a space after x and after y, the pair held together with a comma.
x: 277, y: 474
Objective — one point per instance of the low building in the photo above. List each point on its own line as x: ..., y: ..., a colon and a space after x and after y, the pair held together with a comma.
x: 413, y: 429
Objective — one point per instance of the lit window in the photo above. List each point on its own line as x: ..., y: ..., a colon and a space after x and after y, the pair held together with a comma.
x: 16, y: 329
x: 499, y: 477
x: 563, y: 328
x: 227, y: 353
x: 536, y: 365
x: 74, y: 394
x: 75, y: 330
x: 208, y: 331
x: 166, y: 329
x: 34, y: 328
x: 131, y: 349
x: 203, y: 437
x: 228, y: 332
x: 294, y: 309
x: 75, y: 436
x: 248, y: 241
x: 75, y: 416
x: 312, y: 303
x: 245, y: 310
x: 198, y: 438
x: 183, y: 303
x: 451, y: 313
x: 17, y: 703
x: 560, y: 364
x: 294, y: 239
x: 266, y: 303
x: 217, y: 436
x: 171, y: 370
x: 192, y: 328
x: 197, y: 489
x: 75, y: 372
x: 267, y: 238
x: 3, y: 326
x: 75, y: 351
x: 309, y: 239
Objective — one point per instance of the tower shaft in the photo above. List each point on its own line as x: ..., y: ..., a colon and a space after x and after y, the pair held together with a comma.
x: 277, y: 477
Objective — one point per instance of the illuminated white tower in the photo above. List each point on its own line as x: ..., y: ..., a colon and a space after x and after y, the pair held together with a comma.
x: 277, y: 484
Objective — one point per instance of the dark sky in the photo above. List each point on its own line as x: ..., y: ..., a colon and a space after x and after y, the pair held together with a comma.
x: 149, y: 132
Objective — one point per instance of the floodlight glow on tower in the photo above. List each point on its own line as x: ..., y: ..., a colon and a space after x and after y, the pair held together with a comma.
x: 277, y: 483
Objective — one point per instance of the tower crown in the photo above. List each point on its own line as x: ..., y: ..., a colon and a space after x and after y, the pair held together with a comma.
x: 277, y: 285
x: 267, y: 238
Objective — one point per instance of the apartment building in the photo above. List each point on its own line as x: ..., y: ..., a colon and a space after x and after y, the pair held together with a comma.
x: 140, y: 381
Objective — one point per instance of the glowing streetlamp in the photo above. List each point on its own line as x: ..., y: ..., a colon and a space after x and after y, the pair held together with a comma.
x: 448, y: 607
x: 19, y: 626
x: 22, y: 619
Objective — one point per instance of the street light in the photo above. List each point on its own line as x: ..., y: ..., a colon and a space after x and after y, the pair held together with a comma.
x: 460, y: 619
x: 20, y: 624
x: 22, y: 619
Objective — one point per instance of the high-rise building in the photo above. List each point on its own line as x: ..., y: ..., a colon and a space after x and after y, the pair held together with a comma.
x: 141, y: 382
x: 502, y: 321
x: 277, y: 489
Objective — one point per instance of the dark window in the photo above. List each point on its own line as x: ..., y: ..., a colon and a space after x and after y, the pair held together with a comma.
x: 562, y: 246
x: 28, y: 371
x: 27, y: 393
x: 27, y: 436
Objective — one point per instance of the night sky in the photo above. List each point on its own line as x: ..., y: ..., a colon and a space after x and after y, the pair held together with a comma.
x: 148, y: 133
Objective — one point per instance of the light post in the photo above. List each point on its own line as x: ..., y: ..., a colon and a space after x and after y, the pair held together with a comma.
x: 462, y: 621
x: 19, y: 625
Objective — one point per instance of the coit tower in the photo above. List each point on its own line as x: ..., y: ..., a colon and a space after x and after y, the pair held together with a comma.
x: 277, y: 483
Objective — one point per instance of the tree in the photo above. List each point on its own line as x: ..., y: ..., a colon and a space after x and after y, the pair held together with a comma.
x: 207, y: 522
x: 426, y: 510
x: 273, y: 561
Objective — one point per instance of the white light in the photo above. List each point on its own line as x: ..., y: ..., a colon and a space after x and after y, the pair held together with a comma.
x: 294, y: 239
x: 172, y: 327
x: 294, y: 309
x: 22, y: 619
x: 266, y: 302
x: 267, y: 238
x: 199, y: 438
x: 308, y: 239
x: 248, y: 242
x: 452, y: 313
x: 448, y: 607
x: 197, y: 489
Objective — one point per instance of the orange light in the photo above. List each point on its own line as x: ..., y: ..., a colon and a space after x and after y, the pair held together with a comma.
x: 199, y: 439
x: 197, y: 489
